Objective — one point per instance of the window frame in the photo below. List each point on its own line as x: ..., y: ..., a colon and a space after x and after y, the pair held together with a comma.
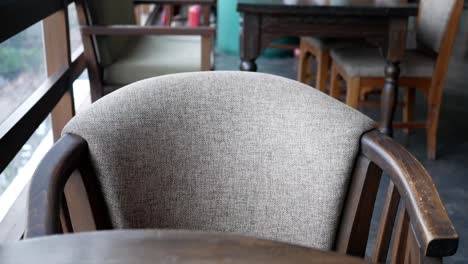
x: 54, y: 96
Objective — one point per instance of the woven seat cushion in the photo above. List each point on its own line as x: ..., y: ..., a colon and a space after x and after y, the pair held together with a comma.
x: 152, y: 56
x: 368, y: 62
x: 249, y: 153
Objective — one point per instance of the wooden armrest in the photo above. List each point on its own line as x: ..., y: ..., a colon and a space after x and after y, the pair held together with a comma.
x: 48, y: 183
x: 175, y: 2
x: 433, y: 229
x: 132, y: 30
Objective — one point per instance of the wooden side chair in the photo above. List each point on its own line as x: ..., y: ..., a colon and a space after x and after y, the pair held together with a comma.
x: 249, y: 153
x: 423, y: 69
x: 318, y: 49
x: 119, y: 52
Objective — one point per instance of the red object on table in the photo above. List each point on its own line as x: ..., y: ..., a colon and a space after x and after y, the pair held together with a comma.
x: 194, y: 16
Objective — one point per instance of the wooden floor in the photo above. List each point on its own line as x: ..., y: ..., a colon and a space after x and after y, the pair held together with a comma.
x: 450, y: 170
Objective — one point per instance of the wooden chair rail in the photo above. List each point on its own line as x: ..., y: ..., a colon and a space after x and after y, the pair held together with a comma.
x: 133, y: 30
x: 429, y: 230
x: 48, y: 184
x: 17, y: 15
x: 22, y: 123
x: 433, y: 229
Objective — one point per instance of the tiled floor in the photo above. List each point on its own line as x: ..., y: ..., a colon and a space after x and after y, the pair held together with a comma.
x: 450, y: 170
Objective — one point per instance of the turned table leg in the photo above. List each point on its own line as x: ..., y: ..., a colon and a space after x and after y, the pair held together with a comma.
x: 390, y: 96
x: 250, y: 42
x: 394, y: 52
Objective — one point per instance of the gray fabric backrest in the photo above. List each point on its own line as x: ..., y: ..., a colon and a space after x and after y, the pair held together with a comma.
x: 249, y: 153
x: 434, y: 17
x: 109, y: 12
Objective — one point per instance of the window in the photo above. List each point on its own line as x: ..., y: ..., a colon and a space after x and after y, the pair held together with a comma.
x: 20, y: 170
x: 75, y: 35
x: 22, y: 68
x: 81, y: 92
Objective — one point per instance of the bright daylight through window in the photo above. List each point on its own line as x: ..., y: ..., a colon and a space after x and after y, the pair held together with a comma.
x: 22, y: 71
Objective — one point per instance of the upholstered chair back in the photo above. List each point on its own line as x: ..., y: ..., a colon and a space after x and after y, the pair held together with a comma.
x: 249, y: 153
x: 109, y: 12
x: 433, y: 20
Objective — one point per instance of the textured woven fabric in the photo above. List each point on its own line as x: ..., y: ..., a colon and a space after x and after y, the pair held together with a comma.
x: 111, y: 12
x: 248, y: 153
x: 368, y: 62
x: 153, y: 56
x: 433, y: 19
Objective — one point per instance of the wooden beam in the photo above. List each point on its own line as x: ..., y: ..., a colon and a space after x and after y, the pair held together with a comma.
x: 57, y: 52
x: 18, y: 15
x: 22, y: 123
x: 133, y: 30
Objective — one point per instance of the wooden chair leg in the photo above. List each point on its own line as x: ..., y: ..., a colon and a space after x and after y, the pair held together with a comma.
x: 304, y: 65
x: 334, y: 83
x: 352, y: 94
x: 408, y: 110
x: 433, y: 124
x: 323, y: 64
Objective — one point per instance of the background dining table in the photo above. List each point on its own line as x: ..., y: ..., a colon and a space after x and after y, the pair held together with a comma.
x: 384, y: 21
x: 158, y: 246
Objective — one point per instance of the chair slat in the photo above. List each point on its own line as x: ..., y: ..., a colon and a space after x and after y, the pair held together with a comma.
x: 401, y: 238
x: 354, y: 229
x: 78, y: 204
x: 415, y: 248
x: 387, y: 221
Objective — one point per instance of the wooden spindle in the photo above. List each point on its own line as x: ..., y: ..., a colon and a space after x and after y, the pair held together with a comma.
x: 401, y: 237
x: 387, y: 220
x: 355, y: 224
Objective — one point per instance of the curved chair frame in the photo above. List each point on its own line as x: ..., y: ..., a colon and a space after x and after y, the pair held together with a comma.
x: 424, y: 232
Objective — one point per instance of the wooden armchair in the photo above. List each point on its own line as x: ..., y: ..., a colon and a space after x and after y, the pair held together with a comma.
x: 423, y: 70
x: 240, y: 152
x: 119, y: 52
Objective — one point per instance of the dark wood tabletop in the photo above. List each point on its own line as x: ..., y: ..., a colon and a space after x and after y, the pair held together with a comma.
x: 327, y: 7
x: 153, y: 246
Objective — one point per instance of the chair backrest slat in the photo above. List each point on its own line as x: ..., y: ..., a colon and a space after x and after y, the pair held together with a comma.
x: 387, y: 221
x: 401, y: 236
x: 357, y: 214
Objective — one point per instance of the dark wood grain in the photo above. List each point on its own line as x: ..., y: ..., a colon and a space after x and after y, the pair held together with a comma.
x: 329, y: 8
x: 357, y: 215
x: 434, y: 231
x: 387, y: 221
x: 153, y: 246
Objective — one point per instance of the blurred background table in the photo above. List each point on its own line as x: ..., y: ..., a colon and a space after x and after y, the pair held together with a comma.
x: 385, y: 22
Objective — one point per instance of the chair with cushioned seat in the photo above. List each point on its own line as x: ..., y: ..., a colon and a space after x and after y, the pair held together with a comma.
x: 249, y: 153
x: 423, y: 69
x: 319, y: 49
x: 119, y: 52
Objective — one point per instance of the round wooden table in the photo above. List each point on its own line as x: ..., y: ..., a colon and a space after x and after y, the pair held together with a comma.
x: 156, y: 246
